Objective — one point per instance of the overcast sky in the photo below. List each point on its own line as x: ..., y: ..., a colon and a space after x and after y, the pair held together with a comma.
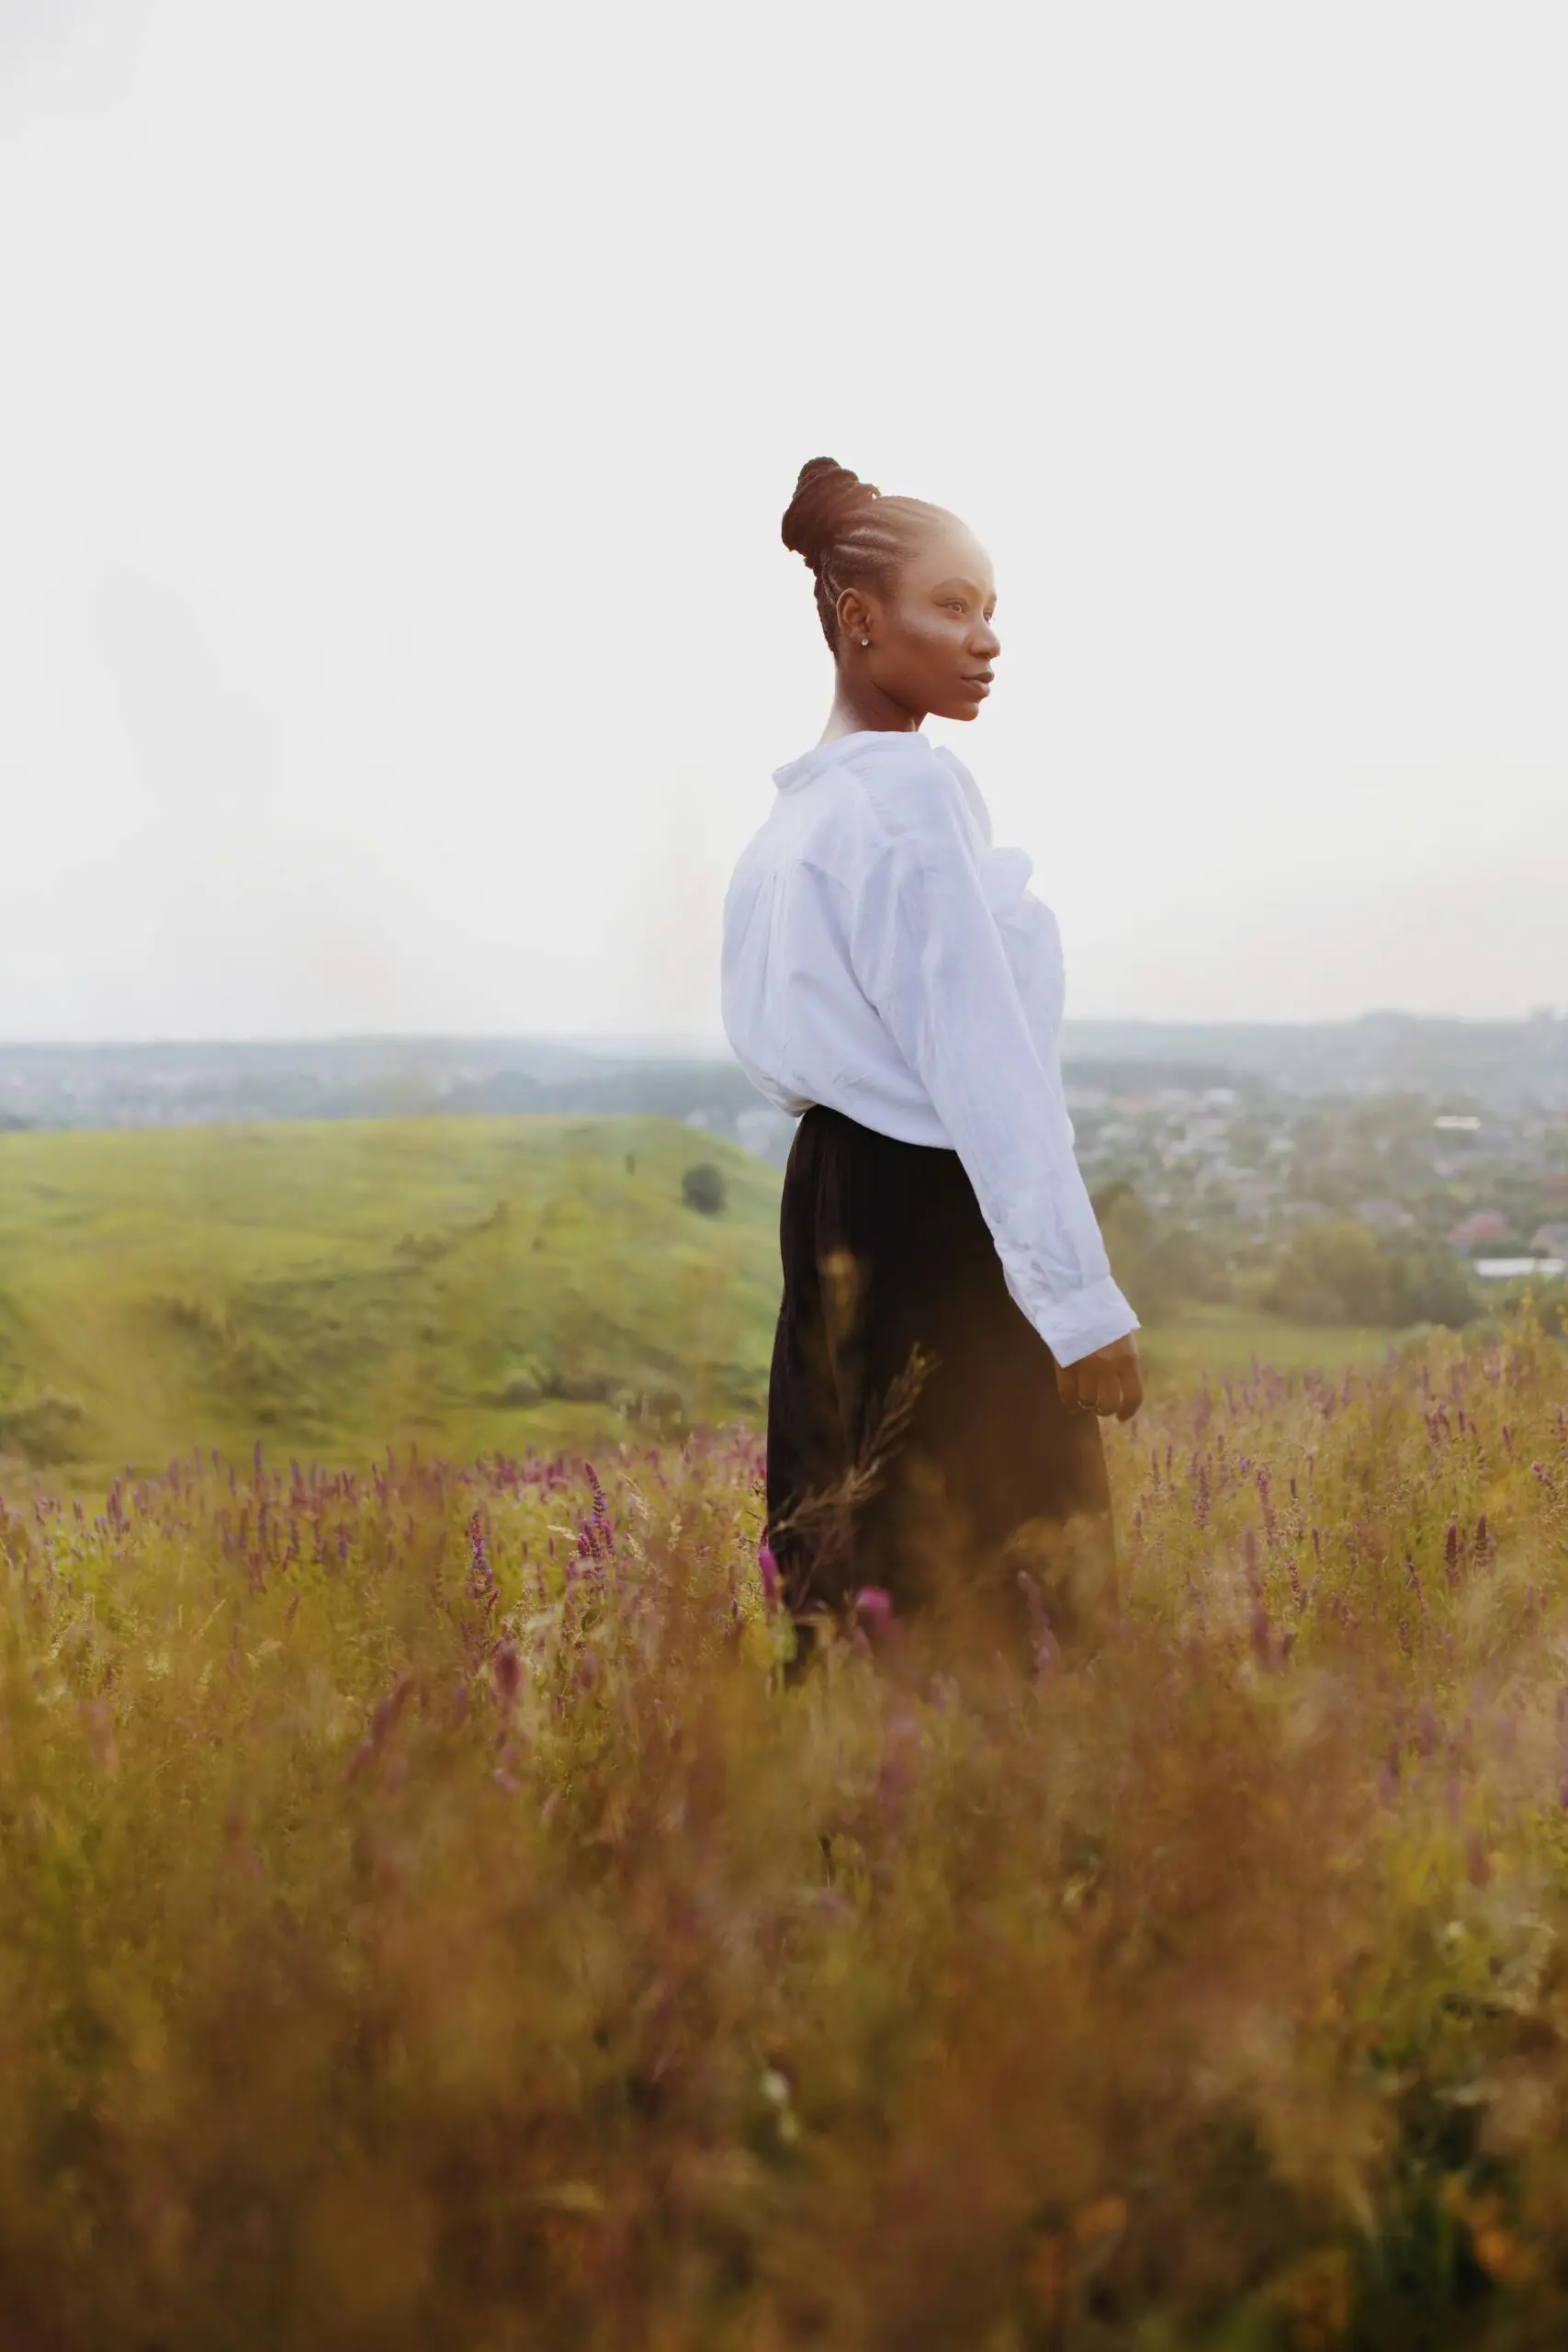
x: 399, y: 398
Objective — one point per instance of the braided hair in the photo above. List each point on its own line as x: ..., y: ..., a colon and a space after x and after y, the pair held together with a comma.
x: 850, y: 534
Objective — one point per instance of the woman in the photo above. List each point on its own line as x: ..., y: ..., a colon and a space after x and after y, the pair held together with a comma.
x: 950, y: 1329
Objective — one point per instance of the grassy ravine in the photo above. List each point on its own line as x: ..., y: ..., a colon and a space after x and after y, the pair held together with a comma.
x: 338, y: 1286
x: 427, y: 1919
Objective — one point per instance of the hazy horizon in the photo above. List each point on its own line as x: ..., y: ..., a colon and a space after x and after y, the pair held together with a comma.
x: 398, y: 639
x: 677, y: 1043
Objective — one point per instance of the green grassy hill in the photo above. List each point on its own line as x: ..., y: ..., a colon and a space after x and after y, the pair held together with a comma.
x: 475, y: 1284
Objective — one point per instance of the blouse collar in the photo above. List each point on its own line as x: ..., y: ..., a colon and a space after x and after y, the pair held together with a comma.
x: 822, y: 756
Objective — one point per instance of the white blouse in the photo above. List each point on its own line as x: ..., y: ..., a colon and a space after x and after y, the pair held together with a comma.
x: 881, y: 957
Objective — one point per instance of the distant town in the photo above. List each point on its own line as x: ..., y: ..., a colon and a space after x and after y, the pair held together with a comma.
x: 1258, y: 1163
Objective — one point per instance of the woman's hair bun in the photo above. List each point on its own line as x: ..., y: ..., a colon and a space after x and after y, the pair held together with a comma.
x: 824, y: 497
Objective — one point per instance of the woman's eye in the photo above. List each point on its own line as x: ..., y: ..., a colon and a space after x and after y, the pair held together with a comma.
x: 956, y: 604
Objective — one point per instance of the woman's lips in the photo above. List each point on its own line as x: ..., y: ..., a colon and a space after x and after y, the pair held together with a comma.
x: 981, y: 685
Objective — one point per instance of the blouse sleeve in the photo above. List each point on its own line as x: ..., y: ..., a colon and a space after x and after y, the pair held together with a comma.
x: 925, y: 948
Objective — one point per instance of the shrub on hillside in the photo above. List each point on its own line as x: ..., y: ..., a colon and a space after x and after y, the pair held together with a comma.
x: 525, y: 1385
x: 703, y: 1188
x: 45, y: 1429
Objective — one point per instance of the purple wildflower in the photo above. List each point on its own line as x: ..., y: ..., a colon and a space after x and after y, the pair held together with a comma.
x: 1265, y: 1498
x: 481, y: 1576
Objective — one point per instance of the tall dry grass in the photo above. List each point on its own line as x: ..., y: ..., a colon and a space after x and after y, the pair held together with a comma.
x: 428, y: 1918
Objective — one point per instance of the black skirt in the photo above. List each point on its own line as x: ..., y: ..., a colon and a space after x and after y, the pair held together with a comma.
x: 916, y: 1438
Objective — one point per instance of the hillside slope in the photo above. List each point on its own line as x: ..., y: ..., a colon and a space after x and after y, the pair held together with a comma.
x: 482, y: 1283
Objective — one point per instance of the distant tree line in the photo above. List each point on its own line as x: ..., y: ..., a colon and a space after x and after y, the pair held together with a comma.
x: 1340, y: 1272
x: 1334, y: 1271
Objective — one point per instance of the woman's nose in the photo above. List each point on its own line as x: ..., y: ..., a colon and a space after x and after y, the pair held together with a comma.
x: 989, y: 642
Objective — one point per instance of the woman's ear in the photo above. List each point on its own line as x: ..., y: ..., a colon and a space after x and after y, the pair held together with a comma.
x: 854, y: 611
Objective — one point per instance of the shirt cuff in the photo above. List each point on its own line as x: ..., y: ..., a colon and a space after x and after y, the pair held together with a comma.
x: 1074, y: 1326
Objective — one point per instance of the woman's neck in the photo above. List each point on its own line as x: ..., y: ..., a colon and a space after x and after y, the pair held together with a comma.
x: 861, y: 708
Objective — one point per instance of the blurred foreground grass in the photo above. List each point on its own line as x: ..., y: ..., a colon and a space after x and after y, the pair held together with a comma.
x: 427, y: 1919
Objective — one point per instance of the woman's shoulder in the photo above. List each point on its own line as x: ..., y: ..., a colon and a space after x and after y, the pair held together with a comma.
x: 909, y: 786
x: 929, y: 800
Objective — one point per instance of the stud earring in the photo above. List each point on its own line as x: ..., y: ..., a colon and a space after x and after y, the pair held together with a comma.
x: 865, y: 640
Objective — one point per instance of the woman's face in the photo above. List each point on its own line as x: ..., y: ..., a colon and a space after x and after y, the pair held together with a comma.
x: 932, y: 645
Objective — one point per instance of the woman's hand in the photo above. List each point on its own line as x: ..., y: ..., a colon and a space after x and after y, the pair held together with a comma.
x: 1106, y: 1382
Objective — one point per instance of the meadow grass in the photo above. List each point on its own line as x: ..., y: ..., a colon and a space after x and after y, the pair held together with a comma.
x: 428, y: 1915
x: 1226, y: 1342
